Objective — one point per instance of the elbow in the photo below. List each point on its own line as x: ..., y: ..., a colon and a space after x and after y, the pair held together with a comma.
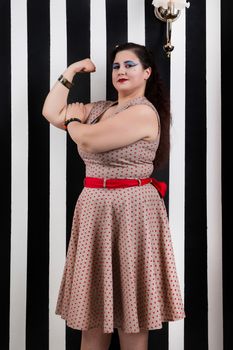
x: 50, y: 118
x: 85, y: 143
x: 45, y: 113
x: 89, y: 149
x: 82, y: 136
x: 53, y: 119
x: 85, y: 146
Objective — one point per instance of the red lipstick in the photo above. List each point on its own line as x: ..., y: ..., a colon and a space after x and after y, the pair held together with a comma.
x: 122, y: 80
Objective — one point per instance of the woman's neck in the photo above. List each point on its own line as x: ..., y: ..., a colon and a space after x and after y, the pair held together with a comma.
x: 122, y: 99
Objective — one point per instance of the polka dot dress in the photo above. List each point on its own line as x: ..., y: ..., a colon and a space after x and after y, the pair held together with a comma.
x: 120, y: 269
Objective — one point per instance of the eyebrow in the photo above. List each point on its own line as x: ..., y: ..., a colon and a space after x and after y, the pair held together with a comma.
x: 128, y: 61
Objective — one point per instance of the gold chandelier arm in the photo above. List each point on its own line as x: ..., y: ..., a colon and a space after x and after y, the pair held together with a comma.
x: 168, y: 47
x: 168, y: 14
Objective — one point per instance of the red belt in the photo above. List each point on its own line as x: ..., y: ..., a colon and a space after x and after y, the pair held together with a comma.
x: 96, y: 182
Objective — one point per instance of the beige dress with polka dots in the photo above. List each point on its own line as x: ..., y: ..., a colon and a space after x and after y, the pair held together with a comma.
x: 120, y: 268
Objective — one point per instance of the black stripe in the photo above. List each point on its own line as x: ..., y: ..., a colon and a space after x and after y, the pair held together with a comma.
x: 78, y: 46
x: 5, y: 142
x: 196, y: 303
x: 38, y: 177
x: 227, y: 78
x: 116, y: 23
x: 155, y: 35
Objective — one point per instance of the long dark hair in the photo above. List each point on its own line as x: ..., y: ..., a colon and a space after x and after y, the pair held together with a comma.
x: 156, y: 94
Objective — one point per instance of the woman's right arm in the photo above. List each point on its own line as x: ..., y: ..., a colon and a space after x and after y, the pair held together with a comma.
x: 54, y: 108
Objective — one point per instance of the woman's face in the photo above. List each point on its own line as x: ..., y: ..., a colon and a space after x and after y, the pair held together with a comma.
x: 128, y: 74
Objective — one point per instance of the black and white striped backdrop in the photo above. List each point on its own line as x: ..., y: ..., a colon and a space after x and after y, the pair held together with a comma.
x: 41, y: 173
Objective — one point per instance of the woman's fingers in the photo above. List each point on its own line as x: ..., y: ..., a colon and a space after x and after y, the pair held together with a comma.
x: 76, y: 109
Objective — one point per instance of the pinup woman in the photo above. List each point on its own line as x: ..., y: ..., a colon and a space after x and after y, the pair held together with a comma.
x: 120, y: 268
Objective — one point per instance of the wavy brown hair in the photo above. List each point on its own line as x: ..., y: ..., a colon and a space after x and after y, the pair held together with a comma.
x: 155, y: 92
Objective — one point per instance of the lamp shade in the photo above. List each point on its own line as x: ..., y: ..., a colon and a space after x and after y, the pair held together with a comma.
x: 179, y: 4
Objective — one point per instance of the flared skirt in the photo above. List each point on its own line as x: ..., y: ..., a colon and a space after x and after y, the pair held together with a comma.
x: 120, y: 269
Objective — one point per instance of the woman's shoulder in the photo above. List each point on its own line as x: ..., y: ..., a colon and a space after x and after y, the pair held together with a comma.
x: 142, y: 101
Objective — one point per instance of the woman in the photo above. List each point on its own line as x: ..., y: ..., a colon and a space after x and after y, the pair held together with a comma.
x: 120, y: 270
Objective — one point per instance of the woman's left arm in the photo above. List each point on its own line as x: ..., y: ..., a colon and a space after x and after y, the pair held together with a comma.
x: 127, y: 127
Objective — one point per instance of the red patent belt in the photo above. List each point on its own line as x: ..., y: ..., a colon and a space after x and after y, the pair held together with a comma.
x: 96, y: 182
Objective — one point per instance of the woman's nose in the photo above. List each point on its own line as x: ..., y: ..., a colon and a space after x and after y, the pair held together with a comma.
x: 122, y: 69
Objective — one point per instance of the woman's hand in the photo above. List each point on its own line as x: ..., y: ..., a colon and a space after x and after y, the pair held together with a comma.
x: 83, y: 66
x: 76, y: 110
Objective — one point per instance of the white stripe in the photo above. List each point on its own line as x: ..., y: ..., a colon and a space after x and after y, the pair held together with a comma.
x: 98, y: 49
x: 19, y: 199
x: 177, y: 166
x: 57, y: 179
x: 136, y: 21
x: 214, y: 218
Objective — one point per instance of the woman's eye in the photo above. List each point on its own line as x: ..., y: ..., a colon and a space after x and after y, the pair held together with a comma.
x: 126, y: 65
x: 131, y: 64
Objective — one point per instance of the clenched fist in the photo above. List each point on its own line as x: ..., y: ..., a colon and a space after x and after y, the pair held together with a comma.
x: 83, y: 66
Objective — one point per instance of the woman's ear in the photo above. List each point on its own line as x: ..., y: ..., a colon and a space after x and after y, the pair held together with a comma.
x: 147, y: 72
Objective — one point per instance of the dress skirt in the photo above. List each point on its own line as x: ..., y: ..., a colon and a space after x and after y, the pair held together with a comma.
x: 120, y: 269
